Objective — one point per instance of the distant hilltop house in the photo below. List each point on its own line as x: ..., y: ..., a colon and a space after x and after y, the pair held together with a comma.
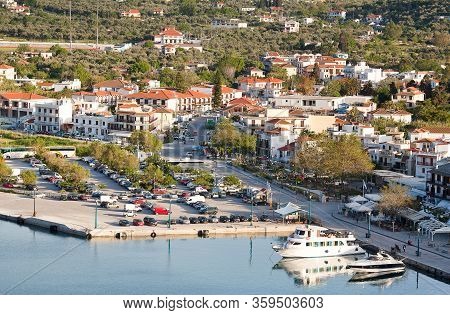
x: 411, y: 96
x: 248, y: 9
x: 132, y: 13
x: 374, y: 18
x: 228, y: 23
x: 170, y: 39
x: 266, y: 18
x: 307, y: 20
x: 334, y: 14
x: 291, y: 26
x: 7, y: 72
x: 158, y: 11
x: 218, y: 4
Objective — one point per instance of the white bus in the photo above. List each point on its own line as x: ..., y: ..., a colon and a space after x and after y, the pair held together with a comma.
x: 23, y: 152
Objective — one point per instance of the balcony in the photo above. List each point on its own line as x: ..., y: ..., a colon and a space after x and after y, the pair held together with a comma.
x: 425, y: 163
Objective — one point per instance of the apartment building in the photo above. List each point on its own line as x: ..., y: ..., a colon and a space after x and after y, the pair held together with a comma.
x: 261, y: 87
x: 228, y: 23
x: 93, y: 125
x: 131, y: 116
x: 15, y: 106
x: 291, y: 26
x: 438, y: 185
x: 313, y: 102
x: 53, y: 116
x: 428, y: 153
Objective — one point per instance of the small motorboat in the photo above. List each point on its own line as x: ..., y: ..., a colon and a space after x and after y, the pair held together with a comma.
x: 380, y: 264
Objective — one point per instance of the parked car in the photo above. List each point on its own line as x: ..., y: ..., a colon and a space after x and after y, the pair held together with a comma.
x: 8, y: 185
x: 264, y: 218
x: 150, y: 221
x: 83, y: 197
x: 235, y: 218
x: 209, y: 210
x: 123, y: 196
x: 124, y: 223
x: 183, y: 220
x: 224, y: 219
x: 72, y: 196
x: 157, y: 197
x: 160, y: 210
x: 138, y: 222
x: 202, y: 219
x: 213, y: 219
x: 193, y: 220
x: 253, y: 218
x: 138, y: 201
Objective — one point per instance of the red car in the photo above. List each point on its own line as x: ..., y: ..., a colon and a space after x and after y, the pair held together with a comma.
x: 8, y: 185
x: 159, y: 191
x: 185, y: 194
x: 138, y: 222
x: 138, y: 202
x: 184, y: 181
x: 160, y: 210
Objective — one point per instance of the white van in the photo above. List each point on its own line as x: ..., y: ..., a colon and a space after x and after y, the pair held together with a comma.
x: 194, y: 199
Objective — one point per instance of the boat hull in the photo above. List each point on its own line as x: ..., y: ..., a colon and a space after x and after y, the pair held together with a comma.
x: 377, y: 270
x: 318, y: 252
x: 365, y: 277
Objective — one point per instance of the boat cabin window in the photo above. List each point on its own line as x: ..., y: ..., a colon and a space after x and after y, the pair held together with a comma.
x: 350, y: 243
x: 300, y: 232
x: 341, y: 243
x: 329, y: 243
x: 308, y: 244
x: 309, y: 233
x: 336, y: 243
x: 322, y: 244
x: 316, y: 244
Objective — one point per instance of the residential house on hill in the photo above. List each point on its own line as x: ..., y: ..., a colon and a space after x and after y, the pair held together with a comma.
x: 119, y: 86
x: 7, y: 72
x: 397, y: 115
x: 132, y: 13
x: 411, y: 96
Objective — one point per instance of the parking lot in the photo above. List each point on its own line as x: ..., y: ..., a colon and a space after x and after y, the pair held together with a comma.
x: 82, y: 213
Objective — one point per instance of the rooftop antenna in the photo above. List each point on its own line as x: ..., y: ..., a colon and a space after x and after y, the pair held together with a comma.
x: 70, y: 23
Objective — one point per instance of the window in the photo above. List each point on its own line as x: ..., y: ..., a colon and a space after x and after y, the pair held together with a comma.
x: 76, y: 120
x: 423, y: 170
x: 329, y: 243
x: 322, y: 244
x: 308, y: 244
x: 316, y: 244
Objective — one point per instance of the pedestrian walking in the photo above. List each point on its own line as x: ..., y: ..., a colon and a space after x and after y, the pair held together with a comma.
x: 404, y: 248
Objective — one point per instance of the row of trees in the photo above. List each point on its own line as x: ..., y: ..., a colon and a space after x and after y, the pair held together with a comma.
x: 117, y: 159
x: 228, y: 140
x: 333, y: 159
x: 73, y: 174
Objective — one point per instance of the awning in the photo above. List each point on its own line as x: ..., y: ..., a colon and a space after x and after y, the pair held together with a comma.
x: 413, y: 215
x: 444, y: 204
x: 289, y: 208
x: 445, y: 230
x: 373, y: 197
x: 362, y: 209
x: 352, y: 205
x: 358, y: 199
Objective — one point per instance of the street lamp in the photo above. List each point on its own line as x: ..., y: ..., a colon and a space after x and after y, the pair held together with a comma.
x: 418, y: 242
x: 368, y: 224
x: 251, y: 211
x: 309, y: 209
x: 170, y: 211
x: 34, y: 201
x: 96, y: 213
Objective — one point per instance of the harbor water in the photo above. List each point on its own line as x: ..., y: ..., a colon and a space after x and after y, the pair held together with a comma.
x: 36, y: 262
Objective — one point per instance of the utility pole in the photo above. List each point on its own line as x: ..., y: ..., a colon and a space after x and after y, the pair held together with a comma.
x: 34, y: 201
x: 96, y: 213
x: 309, y: 209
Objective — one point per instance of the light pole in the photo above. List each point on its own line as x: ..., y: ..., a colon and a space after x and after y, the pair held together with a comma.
x: 251, y: 212
x: 96, y: 213
x: 309, y: 209
x: 368, y: 224
x: 170, y: 211
x: 34, y: 201
x: 418, y: 242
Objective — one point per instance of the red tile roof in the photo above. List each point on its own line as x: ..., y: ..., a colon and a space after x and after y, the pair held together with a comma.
x: 3, y: 66
x: 21, y: 96
x: 170, y: 31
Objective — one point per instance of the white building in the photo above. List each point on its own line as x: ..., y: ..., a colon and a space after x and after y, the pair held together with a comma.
x: 7, y: 72
x: 313, y: 102
x: 51, y: 116
x: 74, y: 85
x: 411, y: 96
x: 307, y: 20
x: 291, y: 26
x: 228, y: 23
x: 93, y: 125
x: 341, y: 14
x: 396, y: 115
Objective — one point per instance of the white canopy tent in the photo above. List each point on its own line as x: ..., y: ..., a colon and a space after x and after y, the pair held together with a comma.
x: 352, y: 205
x: 362, y: 208
x: 373, y: 197
x: 358, y: 198
x: 290, y: 208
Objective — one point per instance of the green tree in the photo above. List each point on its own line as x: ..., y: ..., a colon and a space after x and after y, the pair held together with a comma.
x: 393, y: 31
x: 278, y: 72
x: 82, y: 74
x: 29, y: 177
x: 231, y: 180
x: 140, y: 67
x: 305, y: 85
x: 204, y: 179
x: 394, y: 198
x: 217, y: 90
x: 5, y: 170
x: 146, y: 141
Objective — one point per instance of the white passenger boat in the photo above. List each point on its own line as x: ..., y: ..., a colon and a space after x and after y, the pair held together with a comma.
x: 314, y: 241
x: 379, y: 264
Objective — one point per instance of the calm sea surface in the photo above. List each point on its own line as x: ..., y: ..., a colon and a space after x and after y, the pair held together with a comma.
x: 35, y: 262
